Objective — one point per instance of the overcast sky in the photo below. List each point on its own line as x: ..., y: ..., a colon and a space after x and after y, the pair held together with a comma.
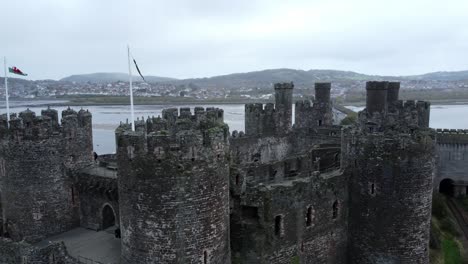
x: 202, y: 38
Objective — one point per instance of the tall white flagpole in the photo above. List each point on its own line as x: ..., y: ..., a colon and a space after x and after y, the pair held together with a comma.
x: 6, y: 92
x: 132, y: 119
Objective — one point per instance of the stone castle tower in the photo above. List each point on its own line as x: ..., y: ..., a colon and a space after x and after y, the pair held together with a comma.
x: 173, y: 188
x: 389, y: 159
x: 37, y: 155
x: 271, y: 119
x: 319, y: 112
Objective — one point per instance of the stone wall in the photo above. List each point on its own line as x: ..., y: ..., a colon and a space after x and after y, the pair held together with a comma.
x: 452, y: 157
x: 24, y: 253
x: 38, y: 156
x: 292, y: 219
x: 96, y: 191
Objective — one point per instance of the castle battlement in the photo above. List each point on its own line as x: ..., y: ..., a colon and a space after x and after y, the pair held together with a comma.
x: 200, y: 136
x: 384, y: 111
x: 452, y: 136
x: 271, y: 119
x: 28, y: 126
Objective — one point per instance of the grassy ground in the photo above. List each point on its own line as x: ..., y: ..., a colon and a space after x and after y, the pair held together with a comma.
x: 446, y: 247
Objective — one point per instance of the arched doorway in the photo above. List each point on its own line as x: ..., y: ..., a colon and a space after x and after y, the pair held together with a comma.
x: 108, y: 217
x: 446, y: 187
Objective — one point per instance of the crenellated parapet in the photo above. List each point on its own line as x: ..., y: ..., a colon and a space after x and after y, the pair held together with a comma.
x: 271, y: 119
x: 27, y: 125
x: 201, y: 135
x: 385, y: 112
x: 452, y: 136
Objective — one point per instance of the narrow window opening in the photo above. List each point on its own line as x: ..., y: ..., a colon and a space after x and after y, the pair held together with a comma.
x: 279, y: 225
x: 319, y: 122
x: 302, y: 246
x: 335, y: 209
x: 205, y: 257
x: 372, y: 191
x: 309, y: 216
x: 73, y: 195
x: 237, y: 179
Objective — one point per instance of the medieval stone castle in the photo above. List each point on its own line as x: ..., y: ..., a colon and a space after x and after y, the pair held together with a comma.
x: 183, y: 189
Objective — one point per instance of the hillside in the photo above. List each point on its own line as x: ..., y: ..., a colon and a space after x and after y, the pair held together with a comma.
x: 107, y: 77
x: 267, y: 77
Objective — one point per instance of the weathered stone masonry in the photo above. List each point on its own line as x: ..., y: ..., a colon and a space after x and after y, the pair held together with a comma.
x: 183, y: 189
x: 173, y: 188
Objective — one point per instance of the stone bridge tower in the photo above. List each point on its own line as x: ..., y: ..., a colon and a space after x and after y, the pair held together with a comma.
x: 37, y: 153
x: 390, y: 161
x: 174, y: 188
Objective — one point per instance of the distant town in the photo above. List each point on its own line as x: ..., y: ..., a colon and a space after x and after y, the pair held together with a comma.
x: 240, y: 87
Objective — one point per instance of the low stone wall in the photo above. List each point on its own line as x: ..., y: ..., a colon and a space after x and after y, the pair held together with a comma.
x: 24, y: 253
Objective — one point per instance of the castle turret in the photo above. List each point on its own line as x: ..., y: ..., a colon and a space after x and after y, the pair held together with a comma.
x: 316, y: 114
x: 283, y: 105
x: 271, y: 119
x: 390, y: 162
x: 37, y: 193
x: 393, y: 89
x: 173, y: 189
x: 376, y: 100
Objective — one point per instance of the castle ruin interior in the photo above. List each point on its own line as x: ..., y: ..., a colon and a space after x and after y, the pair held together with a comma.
x: 182, y: 188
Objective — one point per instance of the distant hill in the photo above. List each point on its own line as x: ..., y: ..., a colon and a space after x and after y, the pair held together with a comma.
x: 107, y: 77
x: 441, y: 76
x: 267, y: 77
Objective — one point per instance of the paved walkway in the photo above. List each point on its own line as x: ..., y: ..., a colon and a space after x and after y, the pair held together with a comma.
x: 99, y: 246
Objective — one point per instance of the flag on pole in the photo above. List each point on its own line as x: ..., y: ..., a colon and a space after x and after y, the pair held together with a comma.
x: 15, y: 70
x: 138, y: 69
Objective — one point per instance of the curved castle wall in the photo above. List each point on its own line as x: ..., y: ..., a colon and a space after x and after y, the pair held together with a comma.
x: 38, y: 195
x: 391, y: 173
x: 174, y: 190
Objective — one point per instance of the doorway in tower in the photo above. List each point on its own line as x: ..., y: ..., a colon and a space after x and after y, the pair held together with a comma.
x: 108, y: 217
x: 446, y: 187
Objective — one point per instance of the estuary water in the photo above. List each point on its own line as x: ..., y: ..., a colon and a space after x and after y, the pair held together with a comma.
x: 107, y: 118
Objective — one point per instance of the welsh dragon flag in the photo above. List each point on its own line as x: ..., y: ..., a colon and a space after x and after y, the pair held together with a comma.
x: 16, y: 71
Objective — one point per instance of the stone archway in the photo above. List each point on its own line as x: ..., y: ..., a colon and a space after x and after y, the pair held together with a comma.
x: 446, y: 186
x: 108, y: 217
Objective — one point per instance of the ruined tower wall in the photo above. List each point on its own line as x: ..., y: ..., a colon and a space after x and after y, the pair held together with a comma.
x: 390, y: 162
x: 174, y: 190
x: 292, y: 221
x: 37, y: 189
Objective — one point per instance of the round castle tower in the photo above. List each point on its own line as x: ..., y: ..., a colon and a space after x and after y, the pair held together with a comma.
x: 390, y: 160
x: 173, y: 188
x: 36, y: 190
